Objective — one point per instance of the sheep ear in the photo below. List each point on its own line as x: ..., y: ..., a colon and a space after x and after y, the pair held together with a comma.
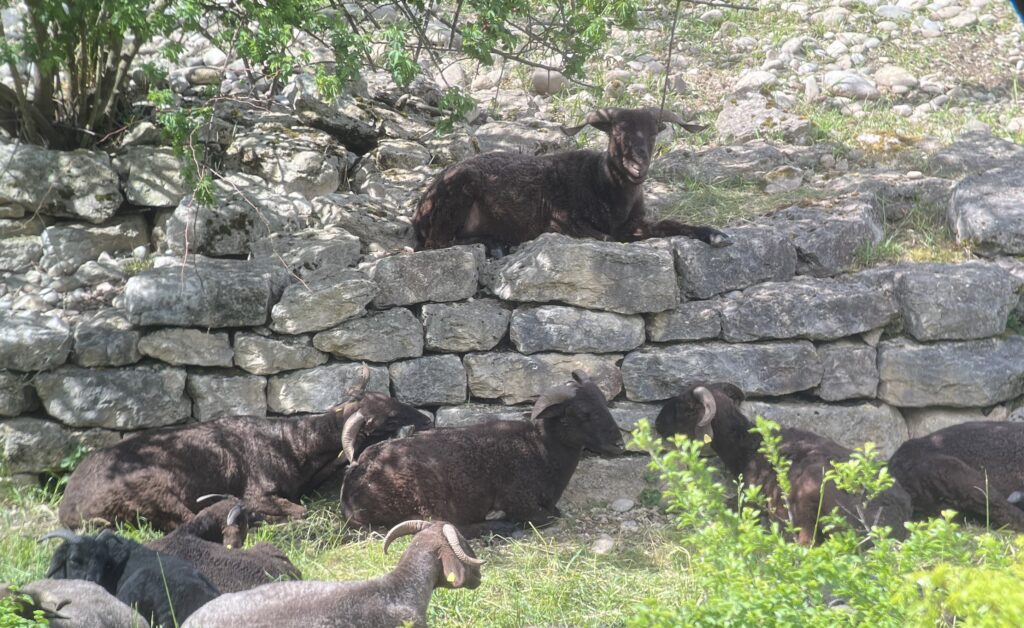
x: 664, y: 115
x: 454, y: 572
x: 600, y: 119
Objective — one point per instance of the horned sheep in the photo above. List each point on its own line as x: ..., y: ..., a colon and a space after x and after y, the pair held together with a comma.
x: 438, y: 557
x: 975, y: 468
x: 711, y: 412
x: 491, y: 476
x: 505, y: 198
x: 270, y: 463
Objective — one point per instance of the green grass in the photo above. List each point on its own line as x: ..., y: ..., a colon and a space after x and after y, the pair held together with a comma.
x: 732, y: 203
x: 920, y: 235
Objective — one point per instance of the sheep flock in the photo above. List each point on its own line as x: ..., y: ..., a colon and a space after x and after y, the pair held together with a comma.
x: 205, y: 485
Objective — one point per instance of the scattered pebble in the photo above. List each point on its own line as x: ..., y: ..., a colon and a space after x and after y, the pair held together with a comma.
x: 603, y: 545
x: 623, y: 504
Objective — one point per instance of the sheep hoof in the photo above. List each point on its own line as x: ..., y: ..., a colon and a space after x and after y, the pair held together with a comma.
x: 494, y: 515
x: 719, y: 240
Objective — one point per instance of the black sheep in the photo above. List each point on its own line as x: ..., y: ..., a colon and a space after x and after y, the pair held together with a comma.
x: 270, y: 463
x: 711, y: 411
x: 162, y: 588
x: 975, y: 468
x: 490, y: 476
x: 504, y: 198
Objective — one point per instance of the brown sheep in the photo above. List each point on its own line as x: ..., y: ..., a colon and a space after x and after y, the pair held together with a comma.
x: 711, y: 411
x: 503, y: 198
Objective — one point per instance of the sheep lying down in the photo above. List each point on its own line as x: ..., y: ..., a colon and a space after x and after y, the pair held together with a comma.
x: 503, y: 199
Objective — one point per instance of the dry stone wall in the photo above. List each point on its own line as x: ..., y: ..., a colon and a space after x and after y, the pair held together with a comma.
x: 880, y: 355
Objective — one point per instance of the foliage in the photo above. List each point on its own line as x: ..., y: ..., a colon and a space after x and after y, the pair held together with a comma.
x: 11, y: 612
x: 750, y: 574
x: 84, y: 53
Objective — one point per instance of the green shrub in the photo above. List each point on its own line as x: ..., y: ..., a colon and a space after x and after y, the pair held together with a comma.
x: 749, y: 574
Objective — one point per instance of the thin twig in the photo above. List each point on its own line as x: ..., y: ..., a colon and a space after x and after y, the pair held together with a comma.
x: 668, y: 61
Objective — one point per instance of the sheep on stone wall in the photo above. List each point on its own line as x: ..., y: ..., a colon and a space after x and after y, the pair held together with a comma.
x: 975, y: 468
x: 711, y: 412
x: 503, y: 198
x: 491, y: 476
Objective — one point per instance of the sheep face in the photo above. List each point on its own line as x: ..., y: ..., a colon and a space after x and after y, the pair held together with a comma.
x: 375, y: 417
x: 460, y: 568
x: 87, y: 558
x: 578, y: 413
x: 692, y: 412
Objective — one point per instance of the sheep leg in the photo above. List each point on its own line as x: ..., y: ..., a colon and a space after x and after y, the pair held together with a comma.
x: 277, y: 509
x: 497, y: 528
x: 946, y: 482
x: 669, y: 228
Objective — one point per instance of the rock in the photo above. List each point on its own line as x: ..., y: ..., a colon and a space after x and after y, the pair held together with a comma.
x: 106, y: 338
x: 828, y: 238
x: 603, y: 545
x: 955, y: 301
x: 19, y: 254
x: 16, y: 394
x: 622, y: 278
x: 319, y: 388
x: 574, y: 330
x: 847, y: 84
x: 214, y: 57
x: 516, y: 378
x: 783, y: 179
x: 187, y: 346
x: 756, y: 255
x: 988, y: 210
x: 600, y: 481
x: 471, y: 413
x: 754, y: 81
x: 348, y: 124
x: 17, y: 227
x: 215, y: 395
x: 377, y: 337
x: 203, y: 76
x: 832, y: 16
x: 720, y: 164
x: 849, y: 371
x: 144, y: 133
x: 398, y: 154
x: 136, y: 397
x: 893, y: 12
x: 628, y: 413
x: 327, y: 298
x: 622, y: 504
x: 753, y: 117
x: 33, y: 342
x: 546, y: 82
x: 963, y: 20
x: 777, y: 368
x: 818, y: 309
x: 440, y: 275
x: 961, y: 374
x: 850, y: 425
x: 246, y: 211
x: 152, y: 176
x: 262, y: 355
x: 974, y: 153
x: 895, y: 196
x: 890, y: 76
x: 695, y: 320
x: 32, y: 445
x: 470, y: 326
x: 924, y: 421
x: 310, y: 249
x: 75, y: 184
x: 429, y: 381
x: 291, y: 158
x: 529, y: 136
x: 374, y: 222
x: 73, y: 244
x: 205, y: 293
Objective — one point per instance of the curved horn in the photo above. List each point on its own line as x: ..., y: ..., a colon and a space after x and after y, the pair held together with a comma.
x: 596, y: 118
x: 664, y: 115
x: 710, y: 407
x: 455, y: 542
x: 349, y: 433
x: 361, y: 386
x: 406, y: 527
x: 237, y: 512
x: 553, y: 396
x: 62, y: 533
x: 212, y: 496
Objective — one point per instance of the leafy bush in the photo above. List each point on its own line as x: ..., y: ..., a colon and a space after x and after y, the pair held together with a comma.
x: 749, y: 574
x: 12, y: 613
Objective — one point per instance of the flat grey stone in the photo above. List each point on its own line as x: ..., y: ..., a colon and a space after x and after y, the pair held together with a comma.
x: 188, y: 346
x: 471, y: 413
x: 757, y: 255
x: 752, y: 117
x: 776, y: 368
x: 152, y: 176
x: 628, y: 413
x: 310, y: 249
x: 828, y: 239
x: 924, y: 421
x: 30, y: 445
x: 574, y: 330
x: 377, y: 337
x: 429, y: 381
x: 33, y: 342
x: 319, y: 388
x: 130, y: 398
x: 622, y: 278
x: 974, y: 152
x: 600, y: 481
x: 476, y: 325
x: 988, y: 210
x: 16, y: 393
x: 327, y: 298
x: 516, y: 378
x: 72, y: 184
x: 693, y: 320
x: 262, y: 355
x: 969, y: 373
x: 20, y: 253
x: 850, y: 425
x: 441, y: 275
x: 849, y: 371
x: 77, y: 243
x: 106, y: 338
x: 222, y: 394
